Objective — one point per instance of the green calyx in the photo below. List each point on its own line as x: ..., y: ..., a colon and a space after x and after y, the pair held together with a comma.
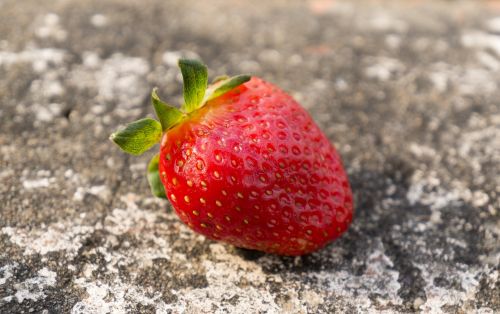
x: 154, y: 178
x: 168, y: 115
x: 224, y: 85
x: 139, y: 136
x: 195, y: 77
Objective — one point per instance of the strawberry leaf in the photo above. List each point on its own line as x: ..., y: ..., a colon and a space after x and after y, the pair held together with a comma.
x: 195, y: 76
x: 155, y: 184
x: 168, y: 115
x: 225, y: 85
x: 219, y: 78
x: 139, y: 136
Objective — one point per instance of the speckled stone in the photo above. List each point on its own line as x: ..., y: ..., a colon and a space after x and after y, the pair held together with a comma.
x: 408, y: 92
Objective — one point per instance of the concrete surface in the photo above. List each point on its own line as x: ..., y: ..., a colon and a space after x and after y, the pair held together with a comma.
x: 407, y: 90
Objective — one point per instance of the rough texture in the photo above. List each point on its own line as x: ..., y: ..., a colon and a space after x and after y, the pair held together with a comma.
x: 409, y: 92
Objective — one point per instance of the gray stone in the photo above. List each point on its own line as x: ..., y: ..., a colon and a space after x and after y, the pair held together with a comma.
x: 408, y: 92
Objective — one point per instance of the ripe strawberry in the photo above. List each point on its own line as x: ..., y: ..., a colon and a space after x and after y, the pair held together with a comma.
x: 245, y: 164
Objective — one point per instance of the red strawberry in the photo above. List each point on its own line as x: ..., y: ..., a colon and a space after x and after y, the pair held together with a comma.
x: 245, y: 164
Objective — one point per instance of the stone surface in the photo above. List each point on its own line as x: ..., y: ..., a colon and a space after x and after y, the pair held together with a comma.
x: 408, y: 91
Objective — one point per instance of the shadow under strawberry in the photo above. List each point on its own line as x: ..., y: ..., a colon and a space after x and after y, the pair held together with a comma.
x: 370, y: 187
x: 372, y: 230
x: 385, y: 222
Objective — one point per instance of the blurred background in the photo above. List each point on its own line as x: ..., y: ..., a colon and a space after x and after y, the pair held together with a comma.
x: 408, y: 91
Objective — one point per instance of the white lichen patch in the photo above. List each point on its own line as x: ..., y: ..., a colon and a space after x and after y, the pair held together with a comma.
x: 468, y: 80
x: 379, y: 278
x: 140, y: 224
x: 494, y: 24
x: 33, y: 288
x: 385, y: 22
x: 311, y: 299
x: 6, y: 272
x: 61, y: 236
x: 476, y: 81
x: 488, y: 60
x: 481, y: 40
x: 425, y: 189
x: 321, y: 7
x: 116, y: 76
x: 437, y: 297
x: 117, y: 296
x: 49, y: 27
x: 130, y: 219
x: 224, y: 276
x: 113, y: 299
x: 39, y: 58
x: 38, y: 183
x: 478, y: 145
x: 242, y: 268
x: 383, y: 68
x: 68, y: 237
x: 393, y: 41
x: 101, y: 191
x: 422, y: 150
x: 47, y: 113
x: 111, y: 79
x: 480, y: 141
x: 50, y: 67
x: 205, y: 300
x: 138, y: 167
x: 99, y: 20
x: 50, y: 86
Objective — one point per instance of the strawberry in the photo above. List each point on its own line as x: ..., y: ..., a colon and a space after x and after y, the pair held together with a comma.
x: 242, y: 162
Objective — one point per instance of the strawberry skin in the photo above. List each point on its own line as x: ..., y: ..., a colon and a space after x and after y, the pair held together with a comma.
x: 251, y: 168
